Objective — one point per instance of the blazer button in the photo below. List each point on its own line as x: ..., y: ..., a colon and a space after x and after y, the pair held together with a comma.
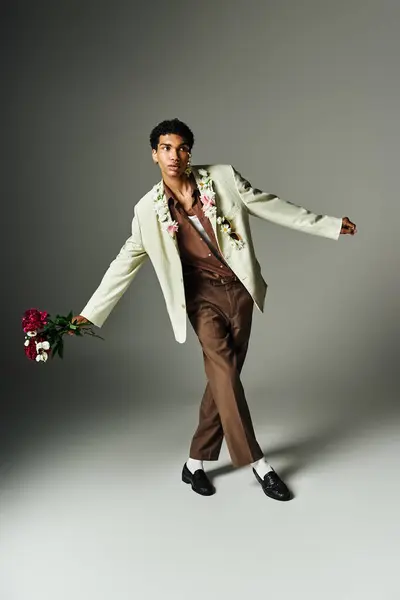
x: 183, y: 305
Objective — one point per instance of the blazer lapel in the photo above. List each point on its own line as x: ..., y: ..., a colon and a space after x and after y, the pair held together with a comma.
x: 213, y: 218
x: 169, y: 240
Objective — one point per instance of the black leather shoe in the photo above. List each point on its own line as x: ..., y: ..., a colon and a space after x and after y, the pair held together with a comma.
x: 199, y: 481
x: 273, y: 486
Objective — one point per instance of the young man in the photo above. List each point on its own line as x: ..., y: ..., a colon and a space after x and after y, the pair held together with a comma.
x: 194, y: 227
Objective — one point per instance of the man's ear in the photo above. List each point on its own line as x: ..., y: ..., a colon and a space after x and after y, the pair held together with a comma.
x: 154, y: 156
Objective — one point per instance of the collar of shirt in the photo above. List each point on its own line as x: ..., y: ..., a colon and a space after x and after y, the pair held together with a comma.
x: 172, y: 201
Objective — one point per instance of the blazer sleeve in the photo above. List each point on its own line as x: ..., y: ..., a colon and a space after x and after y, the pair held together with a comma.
x: 118, y: 277
x: 271, y: 208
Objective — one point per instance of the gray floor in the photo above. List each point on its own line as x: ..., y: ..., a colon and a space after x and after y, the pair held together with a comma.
x: 96, y: 508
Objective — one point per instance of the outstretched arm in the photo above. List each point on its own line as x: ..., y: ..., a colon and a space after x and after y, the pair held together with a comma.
x: 117, y: 278
x: 271, y: 208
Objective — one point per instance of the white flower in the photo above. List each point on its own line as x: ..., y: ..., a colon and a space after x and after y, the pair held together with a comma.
x: 26, y: 343
x: 31, y: 333
x: 42, y: 346
x: 237, y: 244
x: 225, y: 228
x: 203, y: 172
x: 210, y: 211
x: 163, y: 215
x: 160, y: 205
x: 45, y: 356
x: 39, y: 358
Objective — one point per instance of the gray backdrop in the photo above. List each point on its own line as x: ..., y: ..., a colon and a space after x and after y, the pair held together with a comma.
x: 302, y: 98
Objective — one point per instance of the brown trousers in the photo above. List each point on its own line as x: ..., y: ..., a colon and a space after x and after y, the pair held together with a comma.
x: 220, y: 311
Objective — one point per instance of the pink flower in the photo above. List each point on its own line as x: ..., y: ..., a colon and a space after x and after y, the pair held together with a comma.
x: 173, y: 228
x: 207, y: 201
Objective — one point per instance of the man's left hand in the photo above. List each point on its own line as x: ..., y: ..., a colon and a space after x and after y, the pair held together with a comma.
x: 348, y: 227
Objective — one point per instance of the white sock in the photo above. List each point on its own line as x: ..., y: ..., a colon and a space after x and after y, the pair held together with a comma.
x: 194, y: 464
x: 262, y: 467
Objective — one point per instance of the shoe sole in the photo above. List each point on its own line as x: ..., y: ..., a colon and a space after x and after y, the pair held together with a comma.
x: 275, y: 498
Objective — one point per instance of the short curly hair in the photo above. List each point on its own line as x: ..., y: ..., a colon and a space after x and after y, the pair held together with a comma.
x: 171, y: 126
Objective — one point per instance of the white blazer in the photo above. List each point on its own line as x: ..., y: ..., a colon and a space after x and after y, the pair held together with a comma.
x: 236, y: 199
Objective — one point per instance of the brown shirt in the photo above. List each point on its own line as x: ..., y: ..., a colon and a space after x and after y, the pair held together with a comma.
x: 195, y: 252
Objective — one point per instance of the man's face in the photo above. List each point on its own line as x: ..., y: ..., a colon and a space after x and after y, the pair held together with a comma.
x: 172, y: 155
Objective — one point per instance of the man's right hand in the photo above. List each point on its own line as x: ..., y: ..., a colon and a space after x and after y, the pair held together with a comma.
x: 77, y: 320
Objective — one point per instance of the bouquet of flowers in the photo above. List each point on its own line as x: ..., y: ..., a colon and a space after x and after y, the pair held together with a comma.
x: 43, y: 336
